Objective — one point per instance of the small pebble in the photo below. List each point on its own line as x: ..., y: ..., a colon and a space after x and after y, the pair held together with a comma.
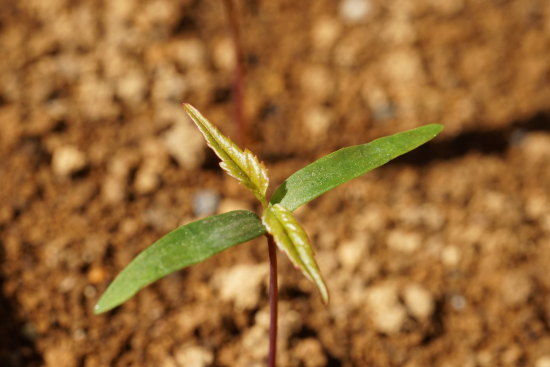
x: 310, y: 352
x: 352, y: 253
x: 516, y: 288
x: 96, y: 275
x: 419, y: 301
x: 67, y: 160
x: 184, y: 143
x: 132, y: 88
x: 189, y: 53
x: 147, y: 180
x: 536, y: 146
x: 90, y: 291
x: 458, y: 302
x: 67, y: 284
x: 450, y: 255
x: 387, y: 313
x: 79, y: 334
x: 224, y: 54
x: 194, y: 356
x: 205, y: 202
x: 325, y: 32
x: 113, y: 189
x: 241, y: 284
x: 355, y: 11
x: 543, y: 361
x: 317, y: 121
x: 407, y: 242
x: 317, y: 82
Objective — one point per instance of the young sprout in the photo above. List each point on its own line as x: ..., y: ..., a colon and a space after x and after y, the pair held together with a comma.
x: 199, y: 240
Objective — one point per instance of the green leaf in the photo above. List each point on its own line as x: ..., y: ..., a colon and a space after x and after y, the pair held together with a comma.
x: 348, y: 163
x: 243, y: 165
x: 187, y: 245
x: 291, y: 238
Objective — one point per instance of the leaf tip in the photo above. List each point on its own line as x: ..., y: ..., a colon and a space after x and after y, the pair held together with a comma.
x: 325, y: 297
x: 188, y: 108
x: 99, y: 308
x: 436, y: 128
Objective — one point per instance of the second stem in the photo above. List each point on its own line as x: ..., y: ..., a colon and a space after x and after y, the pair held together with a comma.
x: 273, y: 301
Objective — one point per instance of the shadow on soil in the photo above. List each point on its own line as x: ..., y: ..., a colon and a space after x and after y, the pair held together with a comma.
x: 16, y: 346
x: 496, y: 141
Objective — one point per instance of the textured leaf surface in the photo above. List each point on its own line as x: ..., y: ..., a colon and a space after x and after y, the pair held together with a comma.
x: 243, y: 165
x: 187, y: 245
x: 291, y: 238
x: 348, y: 163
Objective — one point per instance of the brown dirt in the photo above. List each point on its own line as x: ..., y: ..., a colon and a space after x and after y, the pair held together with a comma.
x: 440, y: 259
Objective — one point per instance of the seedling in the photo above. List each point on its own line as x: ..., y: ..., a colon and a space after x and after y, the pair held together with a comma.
x: 199, y: 240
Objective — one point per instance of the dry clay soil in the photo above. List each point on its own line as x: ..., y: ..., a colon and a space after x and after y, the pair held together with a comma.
x: 439, y: 259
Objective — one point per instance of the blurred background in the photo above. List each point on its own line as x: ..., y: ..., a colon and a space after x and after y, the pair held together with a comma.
x: 438, y: 259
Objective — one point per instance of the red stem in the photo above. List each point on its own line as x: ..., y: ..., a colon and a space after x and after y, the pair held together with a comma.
x: 242, y: 126
x: 238, y: 82
x: 273, y: 300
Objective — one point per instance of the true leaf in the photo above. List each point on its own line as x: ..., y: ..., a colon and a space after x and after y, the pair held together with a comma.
x: 291, y: 238
x: 243, y: 165
x: 345, y: 164
x: 186, y: 245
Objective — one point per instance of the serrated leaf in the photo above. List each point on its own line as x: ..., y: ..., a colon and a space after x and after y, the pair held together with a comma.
x: 291, y: 238
x: 185, y: 246
x: 243, y: 165
x: 345, y: 164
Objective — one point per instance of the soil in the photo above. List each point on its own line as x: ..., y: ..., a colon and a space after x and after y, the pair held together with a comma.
x: 438, y: 259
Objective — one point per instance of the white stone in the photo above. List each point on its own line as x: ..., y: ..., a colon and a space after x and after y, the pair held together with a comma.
x: 536, y: 146
x: 543, y: 361
x: 168, y: 86
x: 67, y: 160
x: 403, y: 65
x: 189, y: 52
x: 241, y: 284
x: 388, y: 314
x: 113, y: 190
x: 184, y: 143
x: 325, y: 32
x: 516, y: 288
x: 317, y: 121
x: 132, y: 87
x: 147, y: 180
x: 419, y: 301
x: 317, y: 82
x: 205, y: 202
x: 351, y: 253
x: 450, y: 255
x: 194, y: 356
x: 224, y: 54
x: 406, y: 242
x: 355, y: 11
x: 310, y: 352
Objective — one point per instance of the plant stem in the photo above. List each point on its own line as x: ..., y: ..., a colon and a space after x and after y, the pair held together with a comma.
x: 273, y: 300
x: 238, y: 82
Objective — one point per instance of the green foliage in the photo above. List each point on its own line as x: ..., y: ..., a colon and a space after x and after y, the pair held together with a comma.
x: 293, y: 240
x: 184, y: 246
x: 348, y: 163
x: 242, y: 165
x: 199, y: 240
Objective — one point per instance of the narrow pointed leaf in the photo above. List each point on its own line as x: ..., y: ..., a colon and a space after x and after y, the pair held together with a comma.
x: 348, y: 163
x: 291, y: 238
x: 242, y: 165
x: 187, y: 245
